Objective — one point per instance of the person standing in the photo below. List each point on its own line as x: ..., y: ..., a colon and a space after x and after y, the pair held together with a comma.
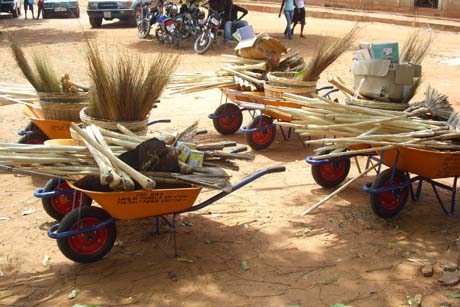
x: 28, y: 4
x: 299, y: 16
x: 40, y: 5
x: 234, y: 21
x: 289, y: 14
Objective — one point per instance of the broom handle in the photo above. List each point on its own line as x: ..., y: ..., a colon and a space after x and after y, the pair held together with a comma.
x: 338, y: 190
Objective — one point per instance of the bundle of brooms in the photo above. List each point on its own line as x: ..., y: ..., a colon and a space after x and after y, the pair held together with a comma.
x: 60, y: 98
x: 130, y: 162
x: 125, y: 89
x: 338, y: 127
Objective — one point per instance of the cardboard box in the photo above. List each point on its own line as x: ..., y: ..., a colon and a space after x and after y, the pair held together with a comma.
x: 385, y: 51
x: 361, y: 54
x: 385, y: 81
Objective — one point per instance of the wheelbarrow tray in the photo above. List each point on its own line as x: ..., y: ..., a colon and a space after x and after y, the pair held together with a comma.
x: 142, y: 203
x: 426, y: 163
x: 257, y: 100
x: 54, y: 129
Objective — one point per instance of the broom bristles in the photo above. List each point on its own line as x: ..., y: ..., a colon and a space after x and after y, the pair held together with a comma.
x: 416, y: 46
x: 48, y: 80
x: 125, y: 88
x: 327, y: 52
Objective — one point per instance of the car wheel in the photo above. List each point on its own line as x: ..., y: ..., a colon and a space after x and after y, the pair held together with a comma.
x: 95, y: 22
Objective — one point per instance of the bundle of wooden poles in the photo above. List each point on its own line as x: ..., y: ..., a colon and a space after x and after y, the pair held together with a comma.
x: 12, y: 93
x: 99, y: 158
x: 246, y: 74
x: 338, y: 127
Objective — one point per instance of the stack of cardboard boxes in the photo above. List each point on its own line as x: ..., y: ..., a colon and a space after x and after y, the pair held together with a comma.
x: 378, y: 73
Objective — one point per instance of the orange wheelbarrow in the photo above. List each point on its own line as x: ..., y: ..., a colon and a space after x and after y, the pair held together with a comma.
x: 41, y: 129
x: 261, y: 130
x: 392, y: 187
x: 88, y: 233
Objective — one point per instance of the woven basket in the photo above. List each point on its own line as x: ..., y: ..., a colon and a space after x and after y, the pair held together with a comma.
x: 138, y: 127
x: 287, y: 79
x: 277, y: 91
x: 63, y: 106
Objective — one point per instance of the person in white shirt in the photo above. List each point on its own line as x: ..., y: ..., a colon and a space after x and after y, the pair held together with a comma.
x: 299, y: 16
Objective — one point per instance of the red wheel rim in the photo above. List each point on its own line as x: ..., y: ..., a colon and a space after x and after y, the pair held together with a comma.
x: 64, y: 203
x: 391, y: 200
x: 264, y: 136
x: 91, y: 242
x: 332, y: 171
x: 230, y: 119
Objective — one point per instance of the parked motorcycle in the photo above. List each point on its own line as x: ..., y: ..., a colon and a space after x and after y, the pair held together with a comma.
x: 146, y: 17
x: 166, y: 30
x: 209, y: 32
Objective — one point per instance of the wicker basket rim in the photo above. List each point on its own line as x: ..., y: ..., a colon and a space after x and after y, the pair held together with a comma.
x: 140, y: 125
x: 290, y: 89
x: 280, y: 78
x: 62, y: 94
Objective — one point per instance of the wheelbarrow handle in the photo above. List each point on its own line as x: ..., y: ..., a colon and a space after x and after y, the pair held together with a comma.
x: 239, y: 149
x: 245, y: 181
x: 157, y: 121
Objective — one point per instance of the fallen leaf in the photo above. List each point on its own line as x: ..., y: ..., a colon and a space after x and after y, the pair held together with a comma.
x: 244, y: 265
x: 184, y: 260
x: 28, y: 211
x: 454, y: 295
x: 46, y: 261
x: 73, y: 294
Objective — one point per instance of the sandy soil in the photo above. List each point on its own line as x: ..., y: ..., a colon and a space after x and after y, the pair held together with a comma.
x: 341, y: 253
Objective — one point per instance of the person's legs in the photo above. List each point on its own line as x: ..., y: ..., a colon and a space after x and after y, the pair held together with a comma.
x: 228, y: 31
x: 26, y: 6
x: 32, y: 10
x: 288, y: 15
x: 302, y: 21
x: 38, y: 13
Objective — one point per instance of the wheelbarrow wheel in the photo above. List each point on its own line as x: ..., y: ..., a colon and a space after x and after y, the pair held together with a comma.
x: 390, y: 203
x: 261, y: 139
x: 229, y: 118
x: 331, y: 174
x: 90, y: 246
x: 58, y: 206
x: 34, y: 137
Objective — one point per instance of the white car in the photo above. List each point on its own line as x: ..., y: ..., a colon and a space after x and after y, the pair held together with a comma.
x: 69, y: 8
x: 11, y: 6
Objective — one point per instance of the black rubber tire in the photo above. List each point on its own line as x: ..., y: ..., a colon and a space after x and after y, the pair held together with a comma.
x: 228, y: 124
x: 159, y: 35
x: 95, y: 22
x: 87, y: 242
x: 35, y: 137
x: 330, y: 175
x: 143, y: 29
x: 202, y: 48
x: 388, y: 204
x: 261, y: 139
x: 58, y: 206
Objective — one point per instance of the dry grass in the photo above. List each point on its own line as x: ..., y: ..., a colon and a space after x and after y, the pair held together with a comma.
x: 327, y: 52
x: 416, y: 46
x: 43, y: 78
x: 47, y: 78
x: 125, y: 89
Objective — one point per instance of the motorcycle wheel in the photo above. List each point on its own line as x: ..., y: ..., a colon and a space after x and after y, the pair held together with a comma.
x: 143, y: 29
x: 160, y: 35
x: 203, y: 42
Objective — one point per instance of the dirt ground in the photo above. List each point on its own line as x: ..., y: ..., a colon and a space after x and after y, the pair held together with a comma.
x: 341, y: 253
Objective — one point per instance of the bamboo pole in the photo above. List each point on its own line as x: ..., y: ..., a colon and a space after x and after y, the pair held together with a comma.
x: 341, y: 188
x: 145, y: 182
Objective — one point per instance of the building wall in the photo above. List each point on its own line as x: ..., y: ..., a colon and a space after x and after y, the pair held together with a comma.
x: 448, y: 8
